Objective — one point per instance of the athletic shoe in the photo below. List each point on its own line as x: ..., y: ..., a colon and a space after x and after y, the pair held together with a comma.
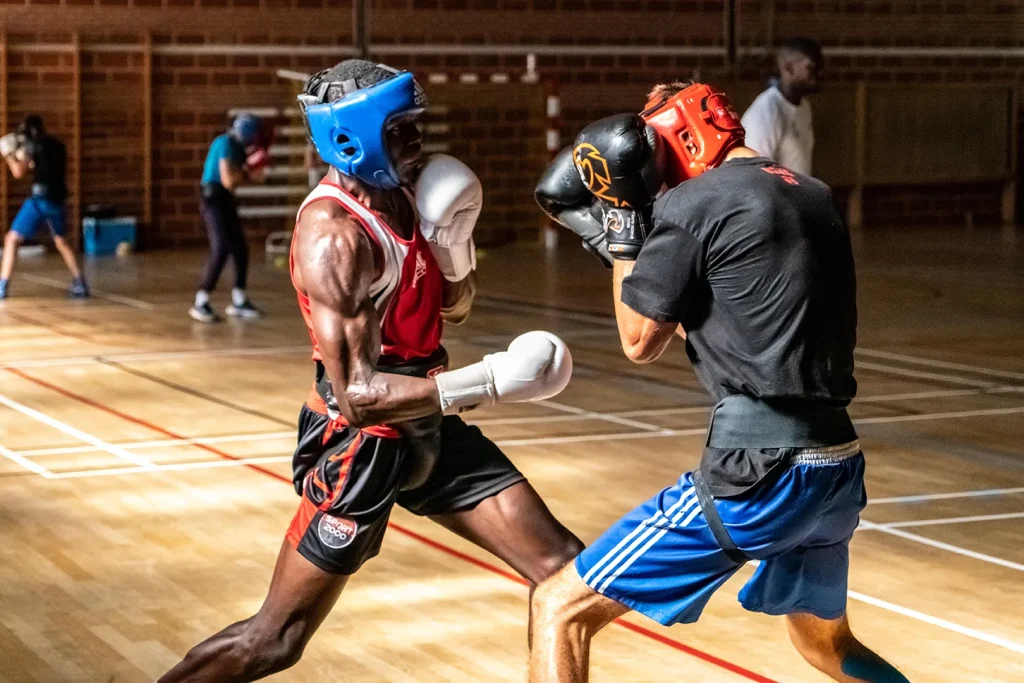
x: 246, y: 310
x: 204, y: 314
x: 78, y: 290
x: 3, y: 289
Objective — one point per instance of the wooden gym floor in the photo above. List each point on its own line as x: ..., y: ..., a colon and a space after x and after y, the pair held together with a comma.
x: 142, y: 501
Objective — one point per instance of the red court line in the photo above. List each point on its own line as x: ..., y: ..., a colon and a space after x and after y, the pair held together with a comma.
x: 664, y: 640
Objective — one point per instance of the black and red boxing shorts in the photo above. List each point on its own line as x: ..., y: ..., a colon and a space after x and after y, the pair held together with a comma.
x: 349, y: 480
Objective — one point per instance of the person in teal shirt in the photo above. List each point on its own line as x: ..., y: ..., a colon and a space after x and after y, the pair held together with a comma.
x: 227, y: 166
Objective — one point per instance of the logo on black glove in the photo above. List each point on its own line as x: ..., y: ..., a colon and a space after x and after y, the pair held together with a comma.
x: 593, y: 169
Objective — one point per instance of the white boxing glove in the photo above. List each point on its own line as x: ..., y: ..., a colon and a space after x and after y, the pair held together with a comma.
x: 449, y: 198
x: 536, y: 366
x: 9, y: 144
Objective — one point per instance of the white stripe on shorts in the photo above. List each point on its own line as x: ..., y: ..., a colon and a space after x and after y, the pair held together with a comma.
x: 691, y: 499
x: 625, y: 565
x: 639, y: 527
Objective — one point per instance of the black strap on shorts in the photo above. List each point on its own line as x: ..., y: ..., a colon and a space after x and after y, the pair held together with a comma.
x: 707, y: 506
x: 740, y: 421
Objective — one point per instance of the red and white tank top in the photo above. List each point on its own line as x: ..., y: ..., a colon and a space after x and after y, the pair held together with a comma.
x: 407, y: 291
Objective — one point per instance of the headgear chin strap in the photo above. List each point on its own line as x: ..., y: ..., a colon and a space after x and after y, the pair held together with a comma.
x: 700, y: 127
x: 349, y: 133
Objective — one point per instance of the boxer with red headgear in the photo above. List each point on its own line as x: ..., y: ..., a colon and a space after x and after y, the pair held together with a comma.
x: 754, y: 263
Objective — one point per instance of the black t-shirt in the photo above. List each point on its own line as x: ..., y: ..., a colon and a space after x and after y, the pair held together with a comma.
x: 755, y: 262
x: 50, y: 159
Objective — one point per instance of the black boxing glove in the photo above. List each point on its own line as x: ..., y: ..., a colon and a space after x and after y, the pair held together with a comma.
x: 626, y: 230
x: 620, y: 160
x: 563, y: 196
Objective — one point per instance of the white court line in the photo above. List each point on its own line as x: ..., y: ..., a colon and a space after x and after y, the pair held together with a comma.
x: 917, y: 360
x: 200, y: 465
x: 117, y: 298
x: 952, y: 520
x: 948, y: 547
x: 606, y: 417
x: 690, y: 432
x: 929, y: 619
x: 620, y: 436
x: 951, y: 379
x: 162, y: 443
x: 584, y: 415
x: 920, y: 498
x: 938, y: 416
x: 153, y: 356
x: 27, y: 464
x: 116, y: 451
x: 527, y: 306
x: 935, y: 621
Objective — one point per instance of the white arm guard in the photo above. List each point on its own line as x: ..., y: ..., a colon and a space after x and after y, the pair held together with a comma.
x: 449, y: 198
x: 536, y: 366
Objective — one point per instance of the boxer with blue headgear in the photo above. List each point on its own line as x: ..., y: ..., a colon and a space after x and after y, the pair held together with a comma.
x: 381, y: 257
x: 350, y: 132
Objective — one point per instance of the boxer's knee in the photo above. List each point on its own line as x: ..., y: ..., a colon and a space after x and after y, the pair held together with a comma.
x: 563, y: 604
x: 12, y: 239
x: 558, y: 557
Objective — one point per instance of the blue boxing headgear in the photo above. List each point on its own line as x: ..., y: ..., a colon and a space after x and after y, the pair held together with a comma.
x: 246, y: 128
x: 349, y: 133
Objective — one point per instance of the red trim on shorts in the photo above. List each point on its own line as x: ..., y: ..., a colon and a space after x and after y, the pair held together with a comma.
x: 315, y: 403
x: 300, y: 522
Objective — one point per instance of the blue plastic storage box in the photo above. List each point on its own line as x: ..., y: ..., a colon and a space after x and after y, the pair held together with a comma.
x: 102, y: 235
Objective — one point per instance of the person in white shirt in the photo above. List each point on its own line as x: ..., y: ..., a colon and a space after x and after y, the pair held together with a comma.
x: 778, y: 123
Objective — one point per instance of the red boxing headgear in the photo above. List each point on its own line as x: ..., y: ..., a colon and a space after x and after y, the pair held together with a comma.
x: 700, y: 127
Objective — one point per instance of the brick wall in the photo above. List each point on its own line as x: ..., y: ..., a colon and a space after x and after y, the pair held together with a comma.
x: 500, y: 134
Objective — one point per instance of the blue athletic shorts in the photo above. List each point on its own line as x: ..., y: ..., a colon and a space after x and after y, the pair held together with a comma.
x: 37, y: 211
x: 663, y: 561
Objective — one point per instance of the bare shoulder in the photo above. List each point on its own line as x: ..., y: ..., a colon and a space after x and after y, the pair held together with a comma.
x: 329, y: 235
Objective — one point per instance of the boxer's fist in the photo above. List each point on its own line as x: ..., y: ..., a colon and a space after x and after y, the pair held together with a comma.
x: 9, y: 144
x: 449, y: 198
x: 620, y: 160
x: 537, y: 365
x: 257, y: 159
x: 563, y: 196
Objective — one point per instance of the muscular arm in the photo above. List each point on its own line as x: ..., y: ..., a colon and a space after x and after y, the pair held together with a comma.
x: 458, y: 299
x: 643, y: 340
x: 336, y: 266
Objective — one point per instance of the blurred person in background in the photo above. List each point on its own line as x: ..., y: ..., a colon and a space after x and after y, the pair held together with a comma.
x: 236, y: 157
x: 779, y: 122
x: 31, y: 148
